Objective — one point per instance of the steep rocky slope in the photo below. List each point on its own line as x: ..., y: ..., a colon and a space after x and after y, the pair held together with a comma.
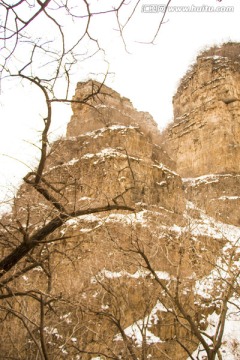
x: 145, y: 282
x: 204, y: 138
x: 94, y: 267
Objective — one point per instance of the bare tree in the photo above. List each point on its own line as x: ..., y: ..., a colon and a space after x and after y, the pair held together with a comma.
x: 184, y: 310
x: 183, y: 298
x: 28, y: 235
x: 47, y: 61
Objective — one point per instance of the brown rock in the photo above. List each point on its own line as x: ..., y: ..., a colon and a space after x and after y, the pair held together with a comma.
x: 204, y: 137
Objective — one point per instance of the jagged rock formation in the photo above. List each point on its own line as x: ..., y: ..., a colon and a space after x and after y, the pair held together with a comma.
x: 106, y: 108
x: 116, y: 162
x: 204, y: 138
x: 100, y: 298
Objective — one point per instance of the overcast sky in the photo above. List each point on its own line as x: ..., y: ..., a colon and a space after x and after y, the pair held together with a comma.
x: 147, y: 74
x: 150, y: 75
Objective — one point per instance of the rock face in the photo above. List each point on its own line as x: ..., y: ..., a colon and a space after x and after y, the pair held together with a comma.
x: 110, y: 146
x: 105, y: 107
x: 204, y: 137
x: 127, y: 169
x: 110, y: 155
x: 217, y: 194
x: 98, y: 287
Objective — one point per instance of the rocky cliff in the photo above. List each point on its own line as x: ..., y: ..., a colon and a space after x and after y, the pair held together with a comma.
x: 105, y: 107
x: 148, y: 280
x: 204, y: 138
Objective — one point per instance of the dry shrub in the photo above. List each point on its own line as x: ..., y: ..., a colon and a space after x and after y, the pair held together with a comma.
x: 230, y: 50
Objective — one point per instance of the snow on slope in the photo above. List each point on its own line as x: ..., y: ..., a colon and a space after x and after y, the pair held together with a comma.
x: 230, y: 349
x: 204, y: 225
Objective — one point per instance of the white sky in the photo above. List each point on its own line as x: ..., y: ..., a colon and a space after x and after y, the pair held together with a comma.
x: 147, y: 74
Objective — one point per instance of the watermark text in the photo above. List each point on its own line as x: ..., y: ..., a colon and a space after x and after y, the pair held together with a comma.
x: 157, y: 8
